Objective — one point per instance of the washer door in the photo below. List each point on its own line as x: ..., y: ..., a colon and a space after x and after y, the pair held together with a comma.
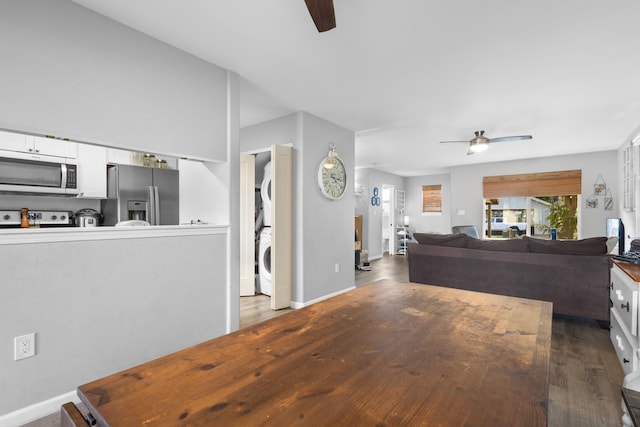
x: 264, y: 263
x: 265, y: 268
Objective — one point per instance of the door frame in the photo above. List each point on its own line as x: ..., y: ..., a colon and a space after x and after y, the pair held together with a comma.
x: 281, y: 228
x: 247, y: 225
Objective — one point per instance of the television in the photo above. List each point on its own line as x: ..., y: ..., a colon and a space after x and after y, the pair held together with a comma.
x: 615, y: 228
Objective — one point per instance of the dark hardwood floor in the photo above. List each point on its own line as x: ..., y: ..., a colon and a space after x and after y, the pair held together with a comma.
x: 394, y: 268
x: 585, y: 377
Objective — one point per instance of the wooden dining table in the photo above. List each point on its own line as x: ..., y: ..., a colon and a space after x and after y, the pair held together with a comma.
x: 385, y: 354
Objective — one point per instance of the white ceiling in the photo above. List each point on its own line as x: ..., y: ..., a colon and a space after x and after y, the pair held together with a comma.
x: 406, y: 74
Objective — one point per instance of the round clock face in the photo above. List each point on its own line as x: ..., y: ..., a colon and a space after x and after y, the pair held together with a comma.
x: 332, y: 181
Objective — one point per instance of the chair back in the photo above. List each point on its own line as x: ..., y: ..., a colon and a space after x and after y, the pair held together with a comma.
x: 469, y: 230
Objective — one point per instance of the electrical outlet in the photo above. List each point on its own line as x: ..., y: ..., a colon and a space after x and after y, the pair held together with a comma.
x: 337, y: 267
x: 24, y: 346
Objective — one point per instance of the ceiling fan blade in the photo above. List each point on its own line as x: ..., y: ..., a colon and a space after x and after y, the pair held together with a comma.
x: 322, y: 14
x: 453, y: 142
x: 510, y: 138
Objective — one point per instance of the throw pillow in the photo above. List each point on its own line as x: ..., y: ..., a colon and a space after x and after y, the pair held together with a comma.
x: 452, y: 240
x: 590, y: 246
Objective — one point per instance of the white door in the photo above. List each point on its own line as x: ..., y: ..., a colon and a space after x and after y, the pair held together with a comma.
x: 247, y: 227
x: 282, y: 226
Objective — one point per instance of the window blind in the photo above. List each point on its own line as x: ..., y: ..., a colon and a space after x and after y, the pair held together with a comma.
x: 432, y: 198
x: 560, y: 183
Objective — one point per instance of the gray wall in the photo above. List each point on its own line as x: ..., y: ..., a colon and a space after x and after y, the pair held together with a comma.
x: 630, y: 217
x: 462, y: 190
x: 432, y: 222
x: 366, y: 180
x: 323, y: 229
x: 70, y: 72
x: 326, y: 227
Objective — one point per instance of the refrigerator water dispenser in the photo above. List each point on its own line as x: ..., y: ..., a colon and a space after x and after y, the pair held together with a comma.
x: 137, y: 210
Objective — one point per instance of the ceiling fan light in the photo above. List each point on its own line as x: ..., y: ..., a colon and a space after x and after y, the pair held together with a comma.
x: 478, y: 147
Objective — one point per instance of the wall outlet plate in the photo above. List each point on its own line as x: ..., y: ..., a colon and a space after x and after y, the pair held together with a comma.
x: 24, y: 346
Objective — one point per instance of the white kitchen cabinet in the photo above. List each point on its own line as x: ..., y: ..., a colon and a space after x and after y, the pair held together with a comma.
x: 625, y: 336
x: 13, y: 141
x: 37, y: 145
x: 118, y: 157
x: 92, y: 172
x: 51, y: 147
x: 623, y: 293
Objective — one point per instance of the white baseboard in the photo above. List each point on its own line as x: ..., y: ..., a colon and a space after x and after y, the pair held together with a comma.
x: 373, y: 258
x: 37, y: 410
x: 298, y: 305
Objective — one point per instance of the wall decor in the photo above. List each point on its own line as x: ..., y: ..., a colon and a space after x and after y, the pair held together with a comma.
x: 592, y: 202
x: 599, y: 187
x: 375, y: 200
x: 608, y: 201
x: 600, y: 190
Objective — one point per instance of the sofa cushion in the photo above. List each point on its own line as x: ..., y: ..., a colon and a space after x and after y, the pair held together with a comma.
x: 505, y: 245
x: 590, y: 246
x: 452, y: 240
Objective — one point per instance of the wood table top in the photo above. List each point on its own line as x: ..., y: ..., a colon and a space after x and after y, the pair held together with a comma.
x: 385, y: 354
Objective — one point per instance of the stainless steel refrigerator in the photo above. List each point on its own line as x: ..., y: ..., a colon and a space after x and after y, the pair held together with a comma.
x: 141, y: 193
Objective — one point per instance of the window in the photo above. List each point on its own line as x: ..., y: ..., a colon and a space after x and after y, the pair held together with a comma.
x: 432, y: 198
x: 532, y: 204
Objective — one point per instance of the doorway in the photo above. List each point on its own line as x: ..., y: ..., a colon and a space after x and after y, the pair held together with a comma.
x: 265, y: 224
x: 255, y: 230
x: 388, y: 209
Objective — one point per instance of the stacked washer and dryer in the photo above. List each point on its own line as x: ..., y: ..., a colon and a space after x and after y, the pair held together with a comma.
x: 264, y: 251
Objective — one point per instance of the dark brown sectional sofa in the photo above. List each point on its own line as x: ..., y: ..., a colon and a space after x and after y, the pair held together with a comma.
x: 573, y: 275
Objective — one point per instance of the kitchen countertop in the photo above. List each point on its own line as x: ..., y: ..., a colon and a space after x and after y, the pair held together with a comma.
x: 632, y: 270
x: 15, y: 236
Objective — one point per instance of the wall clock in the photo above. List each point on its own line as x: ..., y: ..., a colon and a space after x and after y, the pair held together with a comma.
x: 332, y: 176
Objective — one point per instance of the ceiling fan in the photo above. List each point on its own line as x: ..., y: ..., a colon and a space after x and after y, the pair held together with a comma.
x: 480, y: 142
x: 322, y: 14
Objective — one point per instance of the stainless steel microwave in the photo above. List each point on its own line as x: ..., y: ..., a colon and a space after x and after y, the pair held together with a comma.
x: 24, y: 173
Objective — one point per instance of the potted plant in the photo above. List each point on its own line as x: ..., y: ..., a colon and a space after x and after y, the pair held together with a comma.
x: 562, y: 217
